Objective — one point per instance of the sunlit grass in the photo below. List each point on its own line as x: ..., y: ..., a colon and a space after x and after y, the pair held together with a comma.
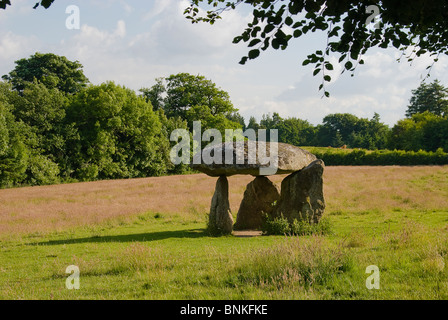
x: 146, y: 239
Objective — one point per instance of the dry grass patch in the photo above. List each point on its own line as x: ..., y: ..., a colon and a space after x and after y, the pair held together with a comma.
x: 347, y: 190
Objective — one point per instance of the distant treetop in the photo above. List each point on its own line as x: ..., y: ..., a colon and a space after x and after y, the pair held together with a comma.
x: 52, y: 70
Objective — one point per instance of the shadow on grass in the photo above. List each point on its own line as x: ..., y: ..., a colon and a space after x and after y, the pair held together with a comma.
x: 140, y: 237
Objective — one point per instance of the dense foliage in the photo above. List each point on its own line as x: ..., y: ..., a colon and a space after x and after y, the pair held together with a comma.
x: 337, y: 130
x: 282, y: 226
x: 104, y: 132
x: 410, y: 26
x: 56, y: 127
x: 51, y: 70
x: 431, y: 97
x: 191, y: 98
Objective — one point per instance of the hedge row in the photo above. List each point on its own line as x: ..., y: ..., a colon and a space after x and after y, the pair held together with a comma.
x: 340, y: 157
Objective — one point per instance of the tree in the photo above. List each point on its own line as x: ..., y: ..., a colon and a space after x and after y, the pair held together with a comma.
x: 336, y: 129
x: 425, y: 131
x: 42, y: 110
x: 14, y: 153
x: 22, y: 159
x: 168, y: 126
x: 253, y: 124
x: 421, y: 26
x: 118, y: 135
x: 237, y: 118
x: 191, y: 98
x: 210, y: 120
x: 52, y: 70
x: 185, y: 91
x: 291, y: 130
x: 155, y: 94
x: 431, y: 97
x: 296, y: 131
x: 270, y: 122
x: 346, y: 129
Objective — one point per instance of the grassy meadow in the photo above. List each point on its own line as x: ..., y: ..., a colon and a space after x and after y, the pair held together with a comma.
x: 146, y: 239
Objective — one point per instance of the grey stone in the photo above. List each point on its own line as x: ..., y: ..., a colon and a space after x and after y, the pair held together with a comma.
x: 259, y: 196
x: 302, y: 195
x: 290, y: 159
x: 220, y: 218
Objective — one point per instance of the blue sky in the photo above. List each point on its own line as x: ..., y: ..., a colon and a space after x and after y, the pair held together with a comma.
x: 134, y: 42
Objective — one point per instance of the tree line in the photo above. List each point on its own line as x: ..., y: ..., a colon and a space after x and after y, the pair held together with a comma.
x: 425, y: 126
x: 55, y: 126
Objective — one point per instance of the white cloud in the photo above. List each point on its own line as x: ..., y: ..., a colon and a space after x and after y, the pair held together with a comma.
x: 14, y: 47
x: 382, y: 85
x: 158, y: 7
x: 152, y: 39
x: 171, y: 44
x: 121, y: 29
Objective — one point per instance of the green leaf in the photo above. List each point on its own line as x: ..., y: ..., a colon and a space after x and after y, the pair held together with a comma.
x: 255, y: 31
x: 243, y: 60
x: 297, y: 33
x: 46, y: 3
x: 342, y: 58
x: 254, y: 42
x: 237, y: 39
x: 316, y: 71
x: 268, y: 28
x: 254, y: 53
x: 327, y: 78
x: 295, y: 7
x: 266, y: 44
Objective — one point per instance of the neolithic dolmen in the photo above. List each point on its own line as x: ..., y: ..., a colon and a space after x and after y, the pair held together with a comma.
x: 301, y: 195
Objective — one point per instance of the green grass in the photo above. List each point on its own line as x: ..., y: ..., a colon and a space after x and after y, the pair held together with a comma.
x: 167, y: 257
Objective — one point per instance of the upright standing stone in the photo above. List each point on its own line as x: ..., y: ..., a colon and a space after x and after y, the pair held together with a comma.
x: 259, y: 197
x: 220, y: 219
x: 302, y: 195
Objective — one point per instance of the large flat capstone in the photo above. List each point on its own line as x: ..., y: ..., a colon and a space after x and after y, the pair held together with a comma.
x: 251, y: 157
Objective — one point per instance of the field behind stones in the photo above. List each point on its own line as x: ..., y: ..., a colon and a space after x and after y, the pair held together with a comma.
x: 146, y: 239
